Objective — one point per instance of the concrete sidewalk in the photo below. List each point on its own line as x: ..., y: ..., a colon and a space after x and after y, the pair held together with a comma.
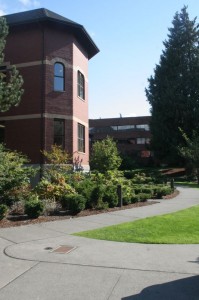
x: 33, y: 266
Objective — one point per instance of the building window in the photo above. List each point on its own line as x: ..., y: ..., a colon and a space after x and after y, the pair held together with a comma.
x: 59, y: 133
x: 58, y: 77
x: 143, y: 127
x: 126, y: 127
x: 81, y: 85
x: 81, y: 138
x: 143, y: 140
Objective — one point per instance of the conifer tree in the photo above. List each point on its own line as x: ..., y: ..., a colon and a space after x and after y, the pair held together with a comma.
x: 173, y: 90
x: 10, y: 81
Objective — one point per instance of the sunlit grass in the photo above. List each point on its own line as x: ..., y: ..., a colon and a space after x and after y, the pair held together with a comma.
x: 187, y: 183
x: 177, y: 228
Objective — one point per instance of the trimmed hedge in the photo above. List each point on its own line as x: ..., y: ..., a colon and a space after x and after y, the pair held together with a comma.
x: 74, y: 202
x: 34, y: 208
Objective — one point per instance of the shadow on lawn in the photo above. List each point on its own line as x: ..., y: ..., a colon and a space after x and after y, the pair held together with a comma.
x: 182, y: 289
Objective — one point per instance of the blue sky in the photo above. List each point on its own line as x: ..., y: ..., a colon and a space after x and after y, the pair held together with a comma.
x: 129, y: 34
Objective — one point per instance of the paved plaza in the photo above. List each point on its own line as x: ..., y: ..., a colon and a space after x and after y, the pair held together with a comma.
x: 45, y: 262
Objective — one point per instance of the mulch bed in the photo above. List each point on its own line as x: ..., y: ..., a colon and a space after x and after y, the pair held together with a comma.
x: 20, y: 220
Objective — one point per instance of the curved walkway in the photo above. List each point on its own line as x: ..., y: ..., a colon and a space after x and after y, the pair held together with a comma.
x: 45, y: 261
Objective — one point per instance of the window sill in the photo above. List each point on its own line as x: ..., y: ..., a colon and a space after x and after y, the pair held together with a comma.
x: 81, y: 99
x: 56, y: 91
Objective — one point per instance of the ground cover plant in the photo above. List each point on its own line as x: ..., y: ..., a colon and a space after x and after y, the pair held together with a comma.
x: 177, y: 228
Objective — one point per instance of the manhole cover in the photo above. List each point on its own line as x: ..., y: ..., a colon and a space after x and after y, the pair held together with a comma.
x: 63, y: 249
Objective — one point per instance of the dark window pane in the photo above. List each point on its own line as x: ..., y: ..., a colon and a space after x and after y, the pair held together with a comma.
x: 81, y: 138
x: 58, y: 77
x: 81, y: 85
x: 59, y: 133
x: 58, y: 140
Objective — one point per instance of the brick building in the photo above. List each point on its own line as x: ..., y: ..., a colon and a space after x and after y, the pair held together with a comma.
x: 51, y: 53
x: 132, y: 134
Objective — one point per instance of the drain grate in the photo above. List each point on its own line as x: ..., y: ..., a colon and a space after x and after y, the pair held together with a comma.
x: 63, y: 249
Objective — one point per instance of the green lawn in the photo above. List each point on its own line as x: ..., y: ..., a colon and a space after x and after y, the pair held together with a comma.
x: 177, y: 228
x: 187, y: 183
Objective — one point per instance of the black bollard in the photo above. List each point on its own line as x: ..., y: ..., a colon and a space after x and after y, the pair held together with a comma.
x: 172, y: 183
x: 119, y: 193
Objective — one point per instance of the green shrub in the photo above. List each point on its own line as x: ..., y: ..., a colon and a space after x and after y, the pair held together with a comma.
x: 13, y: 174
x: 110, y: 196
x: 137, y: 189
x: 33, y: 207
x: 146, y: 189
x: 64, y: 201
x: 85, y: 188
x: 114, y: 177
x: 3, y: 211
x: 143, y: 197
x: 127, y: 193
x: 142, y: 178
x: 128, y: 163
x: 16, y: 194
x: 126, y: 200
x: 134, y: 198
x: 105, y: 156
x: 129, y: 174
x: 74, y: 202
x: 161, y: 191
x: 53, y: 190
x: 102, y: 205
x: 97, y: 196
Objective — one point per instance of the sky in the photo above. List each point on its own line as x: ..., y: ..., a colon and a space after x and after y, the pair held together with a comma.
x: 129, y: 34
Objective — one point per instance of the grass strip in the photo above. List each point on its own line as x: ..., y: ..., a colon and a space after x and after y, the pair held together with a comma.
x: 181, y: 227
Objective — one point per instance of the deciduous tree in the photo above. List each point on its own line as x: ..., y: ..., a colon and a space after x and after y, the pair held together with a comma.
x: 105, y: 156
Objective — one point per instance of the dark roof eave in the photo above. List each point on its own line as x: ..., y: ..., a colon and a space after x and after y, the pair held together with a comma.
x: 92, y: 49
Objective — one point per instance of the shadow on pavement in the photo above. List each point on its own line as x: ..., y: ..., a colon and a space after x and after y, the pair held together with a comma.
x: 182, y: 289
x: 196, y: 262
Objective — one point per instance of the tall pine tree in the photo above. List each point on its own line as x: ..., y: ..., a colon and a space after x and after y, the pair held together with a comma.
x: 10, y: 81
x: 173, y: 90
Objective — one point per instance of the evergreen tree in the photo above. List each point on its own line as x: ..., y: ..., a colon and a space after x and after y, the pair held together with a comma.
x: 191, y: 152
x: 11, y: 82
x: 173, y: 91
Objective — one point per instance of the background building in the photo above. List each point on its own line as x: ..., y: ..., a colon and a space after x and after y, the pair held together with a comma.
x: 132, y: 134
x: 51, y: 53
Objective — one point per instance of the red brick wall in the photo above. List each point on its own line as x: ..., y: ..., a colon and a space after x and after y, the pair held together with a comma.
x: 25, y: 45
x: 58, y: 47
x: 25, y: 42
x: 31, y: 99
x: 24, y: 136
x: 80, y: 106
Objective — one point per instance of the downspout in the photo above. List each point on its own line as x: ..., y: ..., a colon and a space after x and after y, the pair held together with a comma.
x: 42, y: 102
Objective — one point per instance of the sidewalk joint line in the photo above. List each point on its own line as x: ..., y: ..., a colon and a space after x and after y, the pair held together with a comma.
x: 36, y: 264
x: 115, y: 285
